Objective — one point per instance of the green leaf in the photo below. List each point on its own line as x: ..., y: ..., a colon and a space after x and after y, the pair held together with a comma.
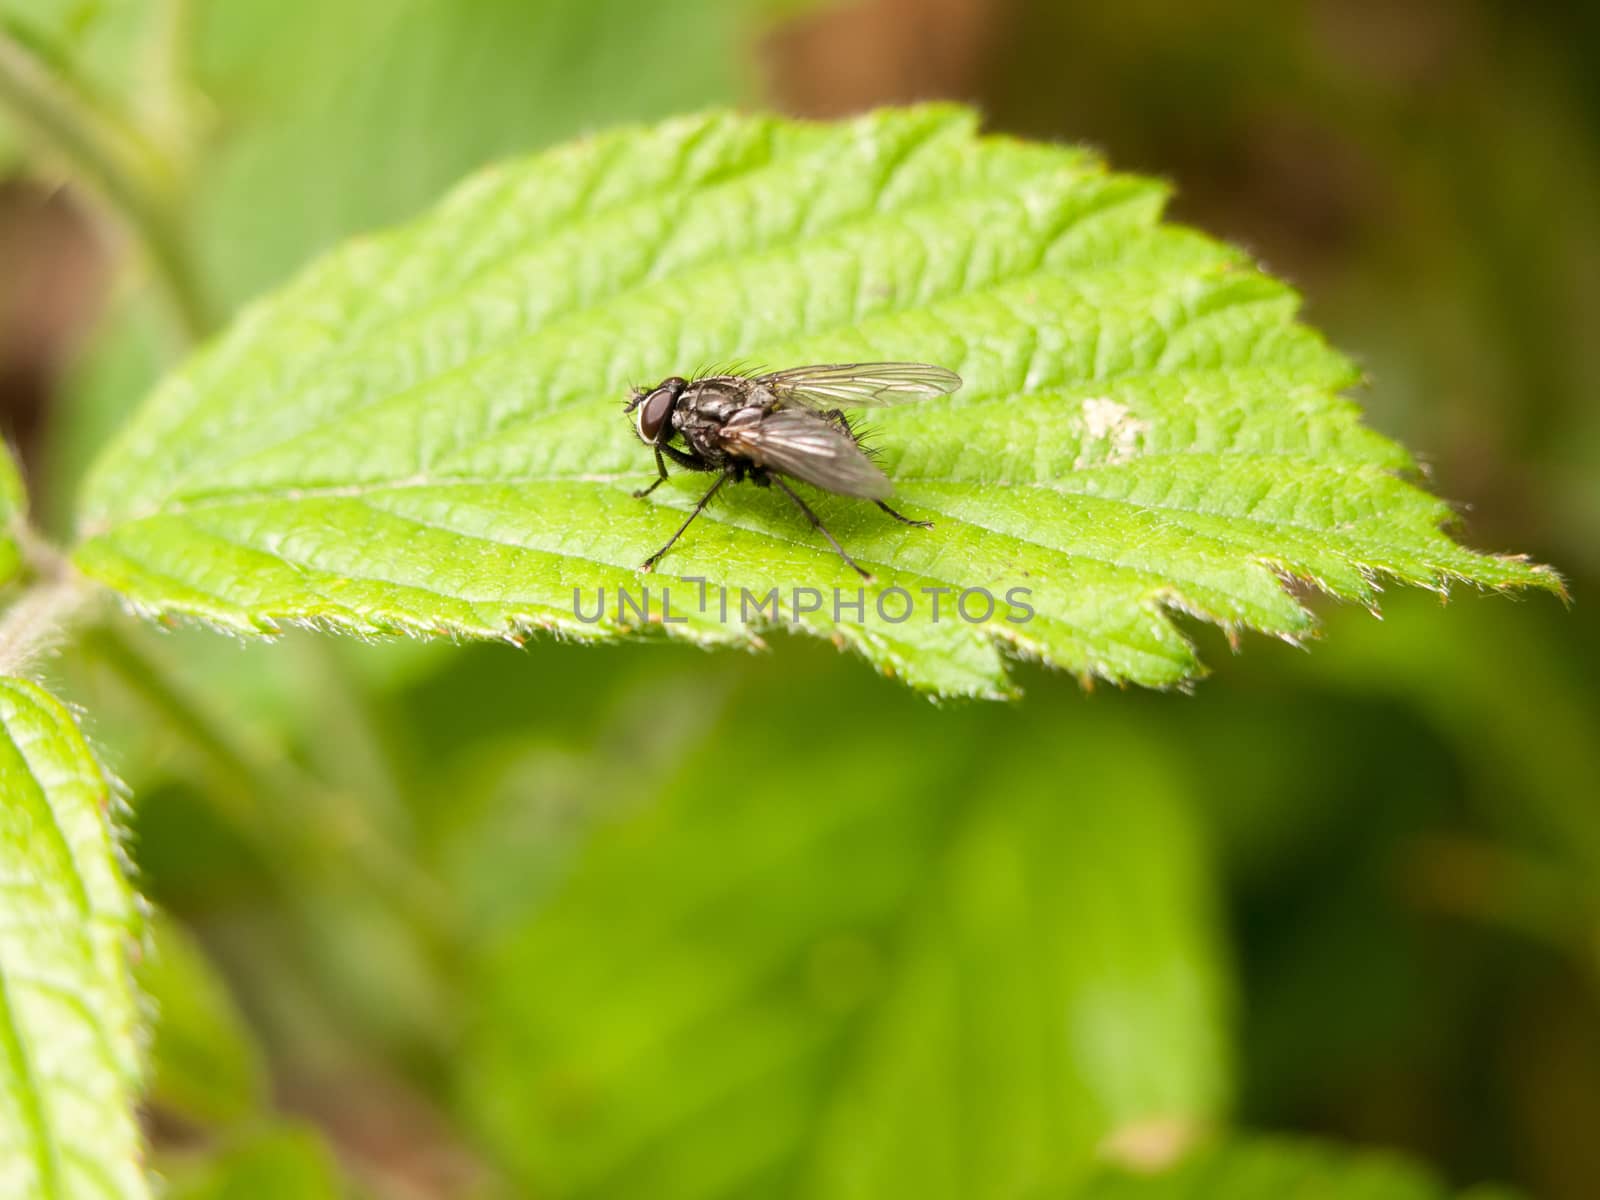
x: 422, y: 433
x: 1523, y: 765
x: 345, y: 141
x: 278, y: 1163
x: 204, y: 1065
x: 877, y: 977
x: 1273, y: 1169
x: 69, y: 1062
x: 13, y: 506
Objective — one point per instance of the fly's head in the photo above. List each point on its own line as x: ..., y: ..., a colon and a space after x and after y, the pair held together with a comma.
x: 652, y: 409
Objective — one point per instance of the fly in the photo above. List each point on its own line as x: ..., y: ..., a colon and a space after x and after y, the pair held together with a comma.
x: 791, y: 424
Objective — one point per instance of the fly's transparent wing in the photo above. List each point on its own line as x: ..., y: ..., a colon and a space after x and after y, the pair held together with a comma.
x: 859, y: 385
x: 795, y: 442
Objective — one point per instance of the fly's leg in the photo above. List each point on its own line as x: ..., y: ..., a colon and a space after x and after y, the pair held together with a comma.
x: 902, y: 517
x: 817, y: 524
x: 661, y: 477
x: 837, y: 416
x: 649, y: 564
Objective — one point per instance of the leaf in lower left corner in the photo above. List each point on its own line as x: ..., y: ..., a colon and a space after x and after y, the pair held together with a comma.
x: 69, y: 1060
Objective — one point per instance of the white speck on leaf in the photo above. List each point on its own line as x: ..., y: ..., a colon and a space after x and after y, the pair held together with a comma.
x: 1111, y: 433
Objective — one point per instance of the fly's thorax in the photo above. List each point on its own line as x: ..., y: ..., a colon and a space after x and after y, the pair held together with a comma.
x: 702, y: 431
x: 762, y: 396
x: 718, y: 399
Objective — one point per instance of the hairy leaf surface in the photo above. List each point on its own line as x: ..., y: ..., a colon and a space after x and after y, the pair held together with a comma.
x: 69, y: 1063
x: 422, y: 433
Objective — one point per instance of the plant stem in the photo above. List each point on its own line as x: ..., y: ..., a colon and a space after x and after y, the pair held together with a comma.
x: 136, y: 182
x: 272, y: 801
x: 35, y: 623
x: 39, y: 618
x: 321, y: 853
x: 166, y: 111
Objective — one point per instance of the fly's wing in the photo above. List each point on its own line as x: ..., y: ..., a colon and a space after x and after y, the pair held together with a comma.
x: 797, y: 443
x: 859, y: 385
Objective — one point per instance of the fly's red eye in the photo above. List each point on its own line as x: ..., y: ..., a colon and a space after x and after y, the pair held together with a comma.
x: 656, y: 408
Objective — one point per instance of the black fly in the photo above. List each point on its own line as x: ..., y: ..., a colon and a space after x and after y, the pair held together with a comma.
x: 763, y: 427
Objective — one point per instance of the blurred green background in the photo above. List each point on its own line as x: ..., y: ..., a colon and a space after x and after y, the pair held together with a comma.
x: 646, y: 921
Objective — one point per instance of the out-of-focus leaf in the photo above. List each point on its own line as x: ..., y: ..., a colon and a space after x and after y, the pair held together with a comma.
x: 1531, y: 761
x: 120, y: 361
x: 1277, y: 1169
x: 282, y: 1163
x: 69, y: 1061
x: 346, y: 142
x: 942, y: 974
x: 13, y: 504
x: 204, y: 1065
